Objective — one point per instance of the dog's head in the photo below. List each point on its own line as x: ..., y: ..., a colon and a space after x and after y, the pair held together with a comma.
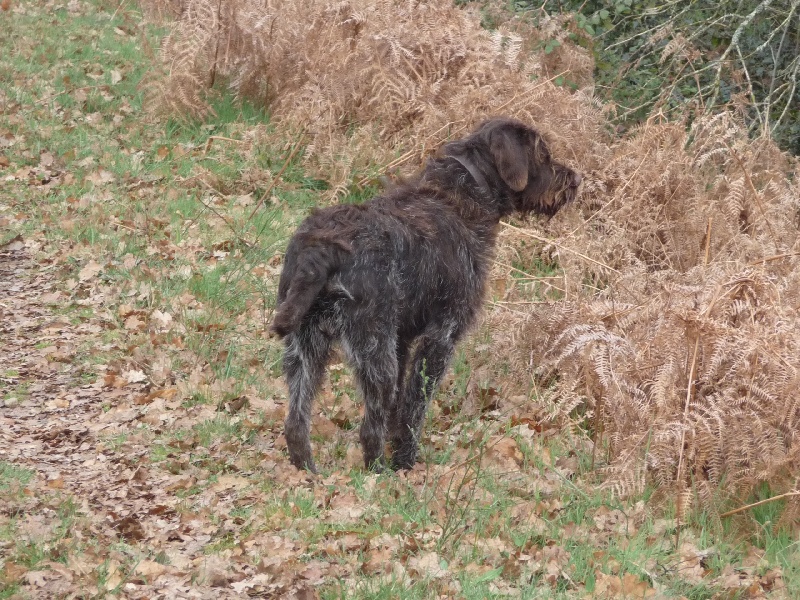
x: 514, y: 159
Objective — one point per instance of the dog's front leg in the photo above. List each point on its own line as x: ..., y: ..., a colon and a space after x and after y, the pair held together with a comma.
x: 378, y: 397
x: 428, y: 364
x: 375, y: 366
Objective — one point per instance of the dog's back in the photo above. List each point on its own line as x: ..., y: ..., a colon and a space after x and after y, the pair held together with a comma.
x: 366, y: 254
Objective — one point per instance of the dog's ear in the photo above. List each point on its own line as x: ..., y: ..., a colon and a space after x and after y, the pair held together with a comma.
x: 510, y: 157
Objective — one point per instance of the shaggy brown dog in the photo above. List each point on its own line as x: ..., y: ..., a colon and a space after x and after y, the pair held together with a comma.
x: 398, y: 280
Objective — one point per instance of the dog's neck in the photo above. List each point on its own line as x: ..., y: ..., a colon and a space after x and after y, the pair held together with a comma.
x: 473, y: 170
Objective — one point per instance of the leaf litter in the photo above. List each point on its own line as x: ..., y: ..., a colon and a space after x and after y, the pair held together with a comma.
x: 61, y: 430
x: 154, y: 475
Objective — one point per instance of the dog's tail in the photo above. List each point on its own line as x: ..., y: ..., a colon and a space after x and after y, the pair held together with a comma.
x: 305, y: 273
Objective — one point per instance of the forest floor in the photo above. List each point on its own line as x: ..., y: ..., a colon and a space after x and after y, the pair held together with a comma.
x: 141, y: 400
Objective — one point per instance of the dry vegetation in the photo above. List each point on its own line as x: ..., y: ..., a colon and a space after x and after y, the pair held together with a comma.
x: 676, y: 341
x: 141, y: 400
x: 683, y: 349
x: 371, y: 82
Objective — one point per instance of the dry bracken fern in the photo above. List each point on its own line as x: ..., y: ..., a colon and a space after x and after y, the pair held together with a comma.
x: 676, y: 332
x: 369, y: 81
x: 691, y: 344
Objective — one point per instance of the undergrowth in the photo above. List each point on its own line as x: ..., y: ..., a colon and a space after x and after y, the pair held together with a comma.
x: 666, y: 327
x: 677, y: 331
x: 632, y: 381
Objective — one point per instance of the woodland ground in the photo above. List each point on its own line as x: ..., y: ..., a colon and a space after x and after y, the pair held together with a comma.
x: 141, y: 400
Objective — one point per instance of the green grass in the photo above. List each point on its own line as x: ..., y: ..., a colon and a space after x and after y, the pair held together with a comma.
x: 172, y: 220
x: 13, y: 479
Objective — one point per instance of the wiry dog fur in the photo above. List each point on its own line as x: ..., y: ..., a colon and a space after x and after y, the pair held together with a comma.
x: 398, y: 280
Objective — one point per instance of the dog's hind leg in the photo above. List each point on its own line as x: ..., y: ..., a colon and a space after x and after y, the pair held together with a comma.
x: 429, y: 362
x: 374, y: 361
x: 393, y: 418
x: 304, y: 364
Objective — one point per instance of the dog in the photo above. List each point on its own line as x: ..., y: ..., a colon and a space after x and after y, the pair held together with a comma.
x: 398, y: 280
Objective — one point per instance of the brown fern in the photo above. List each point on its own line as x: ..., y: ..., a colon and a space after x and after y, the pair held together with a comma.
x: 686, y: 236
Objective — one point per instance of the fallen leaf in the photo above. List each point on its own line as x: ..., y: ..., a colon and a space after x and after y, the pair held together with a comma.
x: 164, y: 320
x: 230, y: 482
x: 259, y: 580
x: 165, y: 393
x: 633, y: 587
x: 427, y: 565
x: 378, y: 561
x: 56, y: 483
x: 90, y: 271
x: 314, y: 573
x: 607, y: 586
x: 12, y: 572
x: 46, y: 159
x: 150, y: 569
x: 504, y: 454
x: 37, y: 578
x: 130, y: 528
x: 134, y: 376
x: 132, y: 323
x: 114, y: 577
x: 101, y: 177
x: 217, y: 572
x: 15, y: 244
x: 345, y: 508
x: 323, y: 427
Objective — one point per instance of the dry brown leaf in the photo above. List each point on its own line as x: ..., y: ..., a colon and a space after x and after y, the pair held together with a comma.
x: 426, y: 566
x: 133, y: 323
x: 323, y: 427
x: 504, y: 454
x: 149, y: 569
x: 90, y: 271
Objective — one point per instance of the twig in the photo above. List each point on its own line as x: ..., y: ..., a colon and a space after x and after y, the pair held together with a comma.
x: 519, y: 302
x: 708, y: 240
x: 527, y: 276
x: 560, y: 246
x: 241, y: 240
x: 211, y: 139
x: 216, y: 48
x: 734, y: 43
x: 118, y: 224
x: 679, y: 477
x: 503, y: 106
x: 55, y: 95
x: 753, y: 101
x: 410, y: 154
x: 508, y: 308
x: 277, y: 176
x: 119, y: 8
x: 759, y: 503
x: 771, y: 258
x: 597, y: 434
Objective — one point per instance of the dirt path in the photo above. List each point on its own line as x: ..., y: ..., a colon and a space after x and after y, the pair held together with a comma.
x: 86, y: 495
x: 45, y: 414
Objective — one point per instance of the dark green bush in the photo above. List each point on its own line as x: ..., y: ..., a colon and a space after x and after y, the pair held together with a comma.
x: 698, y: 55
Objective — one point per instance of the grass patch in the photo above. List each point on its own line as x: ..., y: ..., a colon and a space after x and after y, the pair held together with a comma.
x: 13, y: 479
x: 166, y: 249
